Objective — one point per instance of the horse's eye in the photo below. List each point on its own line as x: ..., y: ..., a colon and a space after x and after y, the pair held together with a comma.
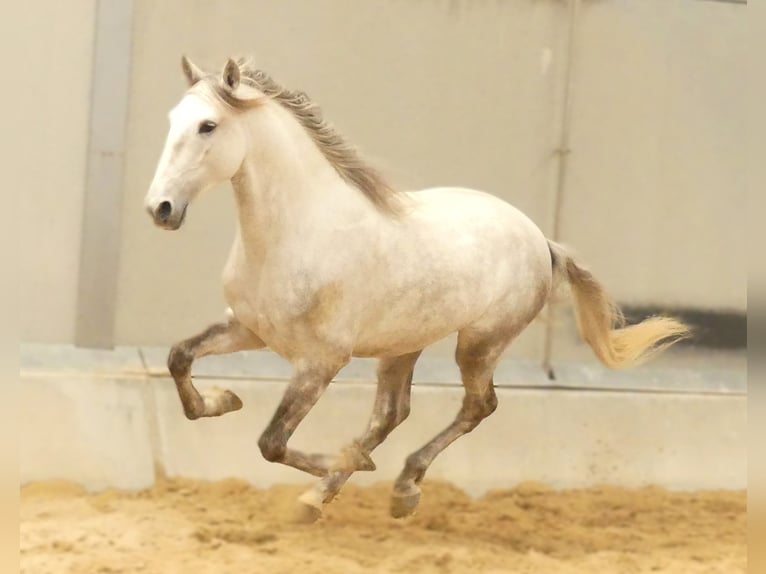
x: 207, y: 127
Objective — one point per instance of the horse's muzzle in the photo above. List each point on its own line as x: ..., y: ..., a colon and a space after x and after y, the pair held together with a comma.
x: 167, y: 215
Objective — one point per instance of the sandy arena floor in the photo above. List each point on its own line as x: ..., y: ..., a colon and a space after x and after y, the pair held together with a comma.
x: 230, y: 528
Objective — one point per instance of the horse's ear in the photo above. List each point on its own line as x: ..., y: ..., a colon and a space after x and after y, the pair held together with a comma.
x: 193, y: 73
x: 230, y: 77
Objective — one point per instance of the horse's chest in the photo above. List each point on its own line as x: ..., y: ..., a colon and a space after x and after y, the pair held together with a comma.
x: 254, y: 301
x: 283, y: 310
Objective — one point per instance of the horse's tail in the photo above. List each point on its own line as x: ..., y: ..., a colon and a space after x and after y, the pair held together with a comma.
x: 601, y: 322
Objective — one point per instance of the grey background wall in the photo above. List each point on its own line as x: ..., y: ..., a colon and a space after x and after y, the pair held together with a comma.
x: 436, y: 92
x: 48, y: 165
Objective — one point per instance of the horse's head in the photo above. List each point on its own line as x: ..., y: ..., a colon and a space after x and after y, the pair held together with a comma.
x: 205, y: 145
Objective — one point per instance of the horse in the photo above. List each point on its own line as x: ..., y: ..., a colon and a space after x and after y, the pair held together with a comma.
x: 331, y: 262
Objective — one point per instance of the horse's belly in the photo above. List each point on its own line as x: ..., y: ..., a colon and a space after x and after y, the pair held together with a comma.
x: 397, y: 344
x: 412, y: 323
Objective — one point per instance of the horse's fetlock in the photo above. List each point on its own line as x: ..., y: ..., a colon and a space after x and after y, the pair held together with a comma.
x: 403, y: 412
x: 415, y: 464
x: 490, y: 403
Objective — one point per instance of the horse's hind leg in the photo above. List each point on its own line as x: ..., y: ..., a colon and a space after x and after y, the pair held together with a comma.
x: 477, y: 356
x: 392, y: 406
x: 217, y: 339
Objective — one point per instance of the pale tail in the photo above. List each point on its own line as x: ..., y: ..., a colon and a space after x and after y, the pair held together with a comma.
x: 602, y: 324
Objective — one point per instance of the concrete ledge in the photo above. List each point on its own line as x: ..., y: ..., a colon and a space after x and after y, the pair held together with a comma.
x: 103, y: 430
x: 562, y: 438
x: 432, y: 368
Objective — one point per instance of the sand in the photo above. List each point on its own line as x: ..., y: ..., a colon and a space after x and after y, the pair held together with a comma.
x: 191, y: 527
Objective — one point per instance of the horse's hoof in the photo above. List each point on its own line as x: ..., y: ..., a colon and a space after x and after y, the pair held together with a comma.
x: 309, y: 508
x: 219, y: 402
x: 403, y: 505
x: 306, y: 513
x: 230, y: 402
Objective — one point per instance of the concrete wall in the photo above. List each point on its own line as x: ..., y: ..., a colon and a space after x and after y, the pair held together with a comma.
x: 658, y: 172
x: 438, y: 92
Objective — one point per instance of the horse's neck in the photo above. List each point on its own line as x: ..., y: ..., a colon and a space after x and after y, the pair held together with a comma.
x: 286, y: 187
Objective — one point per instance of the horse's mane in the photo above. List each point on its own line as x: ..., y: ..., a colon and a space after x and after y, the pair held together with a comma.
x: 342, y: 156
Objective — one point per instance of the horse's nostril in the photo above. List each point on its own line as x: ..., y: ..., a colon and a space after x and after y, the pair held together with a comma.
x: 164, y: 210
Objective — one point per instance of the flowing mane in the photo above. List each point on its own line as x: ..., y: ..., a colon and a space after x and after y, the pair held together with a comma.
x: 342, y: 155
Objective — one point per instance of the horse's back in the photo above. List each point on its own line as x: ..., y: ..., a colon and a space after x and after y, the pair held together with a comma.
x: 462, y: 205
x: 480, y: 223
x: 490, y: 237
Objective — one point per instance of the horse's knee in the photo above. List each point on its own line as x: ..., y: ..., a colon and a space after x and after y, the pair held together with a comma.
x: 272, y: 448
x: 179, y: 361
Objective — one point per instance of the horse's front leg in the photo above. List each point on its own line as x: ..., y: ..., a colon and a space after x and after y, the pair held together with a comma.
x: 308, y: 383
x: 392, y: 406
x: 217, y: 339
